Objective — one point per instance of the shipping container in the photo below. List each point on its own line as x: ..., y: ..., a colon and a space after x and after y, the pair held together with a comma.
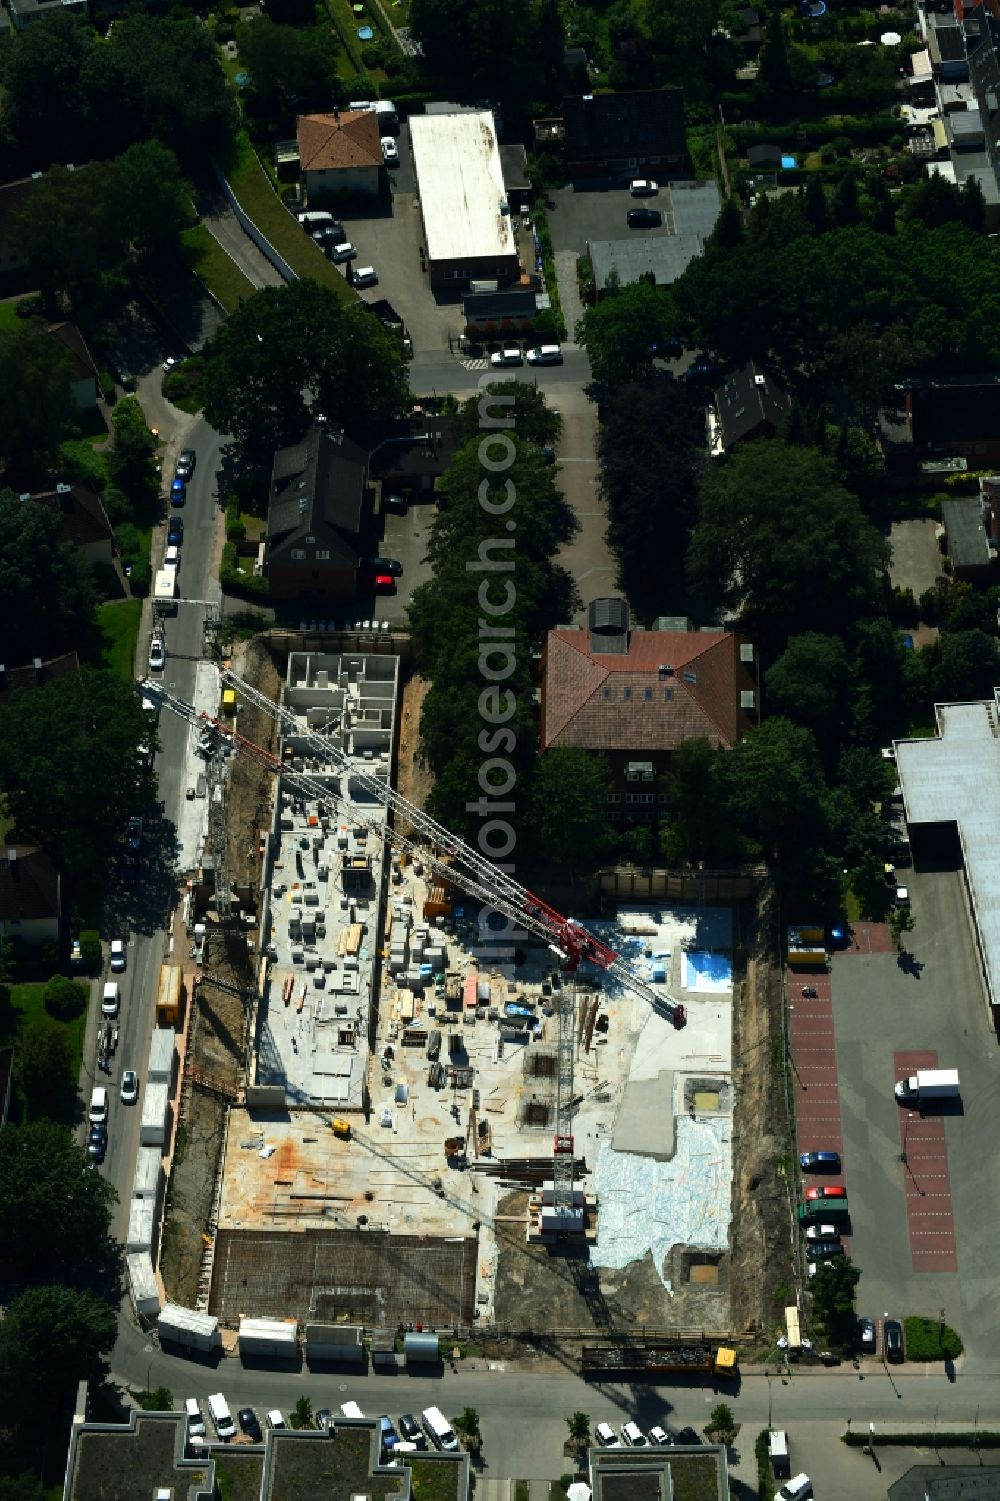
x: 278, y: 1338
x: 162, y: 1054
x: 168, y: 995
x: 142, y: 1285
x: 142, y: 1226
x: 184, y: 1326
x: 153, y: 1129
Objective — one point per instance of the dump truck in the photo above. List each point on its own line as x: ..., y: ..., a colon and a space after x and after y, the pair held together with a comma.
x: 168, y: 995
x: 652, y: 1356
x: 928, y: 1084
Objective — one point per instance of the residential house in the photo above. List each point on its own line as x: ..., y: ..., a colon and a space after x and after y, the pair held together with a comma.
x: 413, y: 458
x: 468, y: 226
x: 83, y: 521
x: 340, y: 153
x: 620, y: 136
x: 636, y: 695
x: 25, y: 13
x: 151, y: 1455
x: 30, y: 895
x: 36, y: 672
x: 85, y: 379
x: 972, y: 531
x: 764, y: 158
x: 957, y: 419
x: 749, y: 405
x: 316, y: 512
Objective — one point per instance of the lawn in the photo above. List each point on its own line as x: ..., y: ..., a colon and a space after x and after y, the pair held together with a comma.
x: 119, y: 622
x: 434, y: 1480
x: 27, y: 1007
x: 252, y: 187
x: 207, y: 259
x: 8, y: 317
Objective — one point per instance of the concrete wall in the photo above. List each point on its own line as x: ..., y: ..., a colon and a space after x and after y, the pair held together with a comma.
x: 259, y: 238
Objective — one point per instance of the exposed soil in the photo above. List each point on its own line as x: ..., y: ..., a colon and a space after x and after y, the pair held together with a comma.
x: 413, y: 776
x: 250, y: 790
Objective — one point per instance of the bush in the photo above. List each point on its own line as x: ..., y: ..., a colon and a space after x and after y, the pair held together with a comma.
x: 235, y: 581
x: 235, y: 529
x: 91, y: 955
x: 65, y: 999
x: 762, y: 1454
x: 930, y: 1339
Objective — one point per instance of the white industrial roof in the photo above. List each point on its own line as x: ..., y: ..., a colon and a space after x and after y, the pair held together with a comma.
x: 955, y: 778
x: 460, y: 186
x: 176, y: 1317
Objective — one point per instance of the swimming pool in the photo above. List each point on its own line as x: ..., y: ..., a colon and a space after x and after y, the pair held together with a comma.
x: 703, y: 971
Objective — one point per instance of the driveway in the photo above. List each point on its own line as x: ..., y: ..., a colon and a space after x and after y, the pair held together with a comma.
x: 932, y: 1004
x: 916, y: 557
x: 586, y: 557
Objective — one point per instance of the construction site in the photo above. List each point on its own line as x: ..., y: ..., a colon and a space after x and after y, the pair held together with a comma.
x: 421, y: 1124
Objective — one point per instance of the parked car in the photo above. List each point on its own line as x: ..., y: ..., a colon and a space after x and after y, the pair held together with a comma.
x: 398, y: 504
x: 171, y: 363
x: 828, y: 1162
x: 345, y: 251
x: 892, y: 1339
x: 98, y: 1105
x: 275, y: 1419
x: 822, y: 1250
x: 330, y: 234
x: 133, y: 834
x: 97, y: 1142
x: 157, y: 655
x: 379, y: 583
x: 605, y: 1435
x: 178, y: 493
x: 129, y: 1087
x: 688, y: 1436
x: 390, y: 152
x: 175, y: 531
x: 119, y: 958
x: 822, y: 1232
x: 643, y: 187
x: 643, y: 218
x: 250, y: 1423
x: 658, y: 1435
x: 324, y: 1418
x: 796, y: 1489
x: 386, y: 565
x: 867, y: 1337
x: 545, y: 354
x: 633, y: 1435
x: 701, y: 370
x: 364, y: 276
x: 186, y: 460
x: 510, y: 356
x: 390, y: 1438
x: 826, y: 1191
x: 172, y: 556
x: 195, y: 1420
x: 412, y: 1431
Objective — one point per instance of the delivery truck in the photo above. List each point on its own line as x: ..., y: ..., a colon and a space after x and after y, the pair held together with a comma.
x: 165, y: 590
x: 928, y: 1084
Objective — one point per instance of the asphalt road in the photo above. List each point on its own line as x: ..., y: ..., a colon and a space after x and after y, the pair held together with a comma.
x: 434, y: 373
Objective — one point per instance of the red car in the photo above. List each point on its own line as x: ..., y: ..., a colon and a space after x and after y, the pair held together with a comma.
x: 826, y: 1191
x: 379, y: 583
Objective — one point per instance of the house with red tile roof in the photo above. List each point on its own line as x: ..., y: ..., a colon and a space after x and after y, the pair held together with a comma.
x: 636, y: 695
x: 339, y: 153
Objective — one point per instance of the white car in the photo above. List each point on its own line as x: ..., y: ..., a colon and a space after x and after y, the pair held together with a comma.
x: 389, y: 151
x: 796, y: 1489
x: 130, y: 1087
x: 172, y: 556
x: 195, y: 1421
x: 157, y: 656
x: 171, y: 363
x: 545, y: 354
x: 822, y: 1232
x: 364, y: 276
x: 110, y: 998
x: 633, y: 1435
x: 658, y: 1435
x: 605, y: 1435
x: 98, y: 1111
x: 506, y: 357
x: 119, y: 959
x: 344, y: 252
x: 275, y: 1419
x: 643, y: 187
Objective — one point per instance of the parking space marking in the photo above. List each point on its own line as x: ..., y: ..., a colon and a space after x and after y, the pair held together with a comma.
x: 927, y: 1184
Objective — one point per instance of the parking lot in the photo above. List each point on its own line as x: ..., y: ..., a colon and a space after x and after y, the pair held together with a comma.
x: 406, y: 538
x: 905, y: 1181
x: 600, y: 213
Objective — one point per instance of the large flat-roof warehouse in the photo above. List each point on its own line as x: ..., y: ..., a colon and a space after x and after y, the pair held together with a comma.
x: 468, y: 229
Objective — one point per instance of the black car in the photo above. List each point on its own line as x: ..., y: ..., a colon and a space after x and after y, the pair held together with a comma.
x: 330, y: 234
x: 867, y: 1337
x: 133, y: 834
x: 395, y: 503
x: 97, y: 1142
x: 643, y: 218
x: 248, y: 1421
x: 892, y: 1335
x: 392, y: 566
x: 687, y: 1436
x: 175, y: 531
x: 412, y: 1431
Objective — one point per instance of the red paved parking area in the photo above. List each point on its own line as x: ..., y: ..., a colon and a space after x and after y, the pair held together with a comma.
x: 868, y: 938
x: 925, y: 1177
x: 814, y: 1070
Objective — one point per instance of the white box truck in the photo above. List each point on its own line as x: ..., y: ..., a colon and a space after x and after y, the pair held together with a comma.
x: 928, y: 1084
x: 165, y: 589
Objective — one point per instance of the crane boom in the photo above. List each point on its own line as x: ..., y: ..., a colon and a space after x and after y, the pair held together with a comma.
x: 451, y: 857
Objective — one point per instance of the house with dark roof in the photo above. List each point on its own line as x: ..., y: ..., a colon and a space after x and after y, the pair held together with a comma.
x: 972, y: 553
x: 30, y: 895
x: 626, y: 135
x: 957, y: 419
x: 33, y: 674
x: 509, y: 307
x: 83, y: 521
x: 318, y: 504
x: 751, y: 404
x: 340, y: 153
x: 415, y: 456
x: 764, y: 158
x: 635, y: 695
x: 85, y: 380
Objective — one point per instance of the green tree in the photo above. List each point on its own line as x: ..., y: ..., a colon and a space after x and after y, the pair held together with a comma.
x: 620, y: 331
x: 773, y: 781
x: 833, y: 1289
x: 728, y: 229
x: 699, y: 828
x: 149, y: 54
x: 523, y: 407
x: 290, y: 66
x: 845, y: 206
x: 579, y: 1431
x: 71, y: 768
x: 65, y: 228
x: 65, y: 999
x: 37, y: 403
x: 280, y: 359
x: 25, y: 1487
x: 972, y: 206
x: 881, y: 209
x: 150, y: 201
x: 900, y: 921
x: 43, y: 1066
x: 967, y: 666
x: 779, y: 536
x: 45, y: 87
x: 815, y: 204
x: 568, y: 808
x: 467, y: 1424
x: 46, y: 594
x: 132, y: 460
x: 681, y: 28
x: 41, y: 1167
x: 722, y: 1423
x: 302, y: 1413
x: 160, y: 1399
x: 485, y: 44
x: 774, y: 72
x: 810, y: 685
x: 51, y: 1338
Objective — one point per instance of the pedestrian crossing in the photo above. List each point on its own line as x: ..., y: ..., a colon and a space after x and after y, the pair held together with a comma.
x: 476, y: 364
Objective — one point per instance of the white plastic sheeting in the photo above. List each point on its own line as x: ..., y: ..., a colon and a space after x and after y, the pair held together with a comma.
x: 646, y: 1205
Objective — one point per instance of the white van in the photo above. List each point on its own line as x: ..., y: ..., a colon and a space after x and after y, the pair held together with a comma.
x: 98, y: 1105
x: 351, y: 1410
x: 195, y: 1421
x: 314, y: 219
x: 111, y: 999
x: 777, y: 1448
x: 437, y: 1429
x: 797, y: 1489
x: 221, y: 1416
